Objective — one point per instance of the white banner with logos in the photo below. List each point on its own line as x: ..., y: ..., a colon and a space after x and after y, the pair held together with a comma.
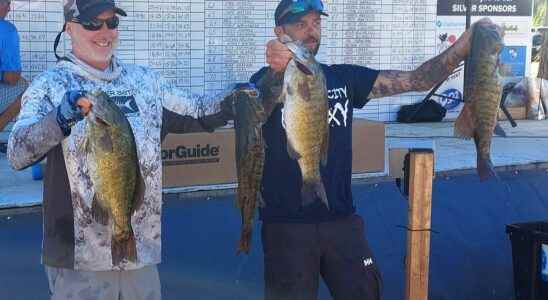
x: 515, y: 18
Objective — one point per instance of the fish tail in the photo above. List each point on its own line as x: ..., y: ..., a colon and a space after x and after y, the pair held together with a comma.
x: 485, y: 169
x: 313, y: 190
x: 124, y: 248
x: 245, y: 241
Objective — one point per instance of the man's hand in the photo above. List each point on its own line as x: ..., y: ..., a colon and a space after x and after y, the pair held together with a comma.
x: 464, y: 44
x: 72, y: 109
x: 228, y: 103
x: 277, y: 55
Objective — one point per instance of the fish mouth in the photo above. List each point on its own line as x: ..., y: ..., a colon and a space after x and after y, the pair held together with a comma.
x: 98, y: 120
x: 252, y: 93
x: 101, y: 122
x: 301, y: 56
x: 303, y: 68
x: 299, y: 50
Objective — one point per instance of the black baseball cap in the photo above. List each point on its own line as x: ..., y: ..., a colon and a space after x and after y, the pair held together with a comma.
x: 87, y: 10
x: 291, y: 11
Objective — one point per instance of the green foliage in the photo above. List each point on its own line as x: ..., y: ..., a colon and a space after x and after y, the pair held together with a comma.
x: 540, y: 8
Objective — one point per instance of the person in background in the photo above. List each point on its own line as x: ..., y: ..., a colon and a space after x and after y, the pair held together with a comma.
x: 12, y: 85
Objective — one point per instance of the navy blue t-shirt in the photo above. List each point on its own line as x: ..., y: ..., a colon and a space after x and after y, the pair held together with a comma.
x: 347, y: 87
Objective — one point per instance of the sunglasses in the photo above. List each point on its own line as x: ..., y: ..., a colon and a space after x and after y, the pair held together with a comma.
x: 300, y: 6
x: 95, y: 24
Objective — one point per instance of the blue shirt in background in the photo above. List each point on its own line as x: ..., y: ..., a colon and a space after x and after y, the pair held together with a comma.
x: 348, y: 87
x: 10, y: 60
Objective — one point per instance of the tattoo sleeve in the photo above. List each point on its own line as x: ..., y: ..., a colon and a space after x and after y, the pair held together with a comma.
x: 431, y: 72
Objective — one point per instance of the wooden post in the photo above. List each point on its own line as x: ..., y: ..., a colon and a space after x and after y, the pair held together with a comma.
x: 421, y: 172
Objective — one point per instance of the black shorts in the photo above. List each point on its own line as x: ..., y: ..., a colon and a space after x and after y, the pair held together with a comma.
x: 296, y: 254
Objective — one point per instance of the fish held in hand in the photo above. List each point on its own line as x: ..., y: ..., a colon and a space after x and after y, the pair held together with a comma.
x: 482, y: 94
x: 305, y: 116
x: 250, y: 154
x: 114, y: 170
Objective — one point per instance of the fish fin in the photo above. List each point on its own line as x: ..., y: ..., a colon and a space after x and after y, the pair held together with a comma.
x: 291, y: 151
x: 464, y: 125
x: 245, y: 241
x: 85, y: 146
x: 139, y: 194
x: 260, y: 200
x: 241, y: 196
x: 99, y: 213
x: 277, y: 90
x: 311, y: 191
x: 499, y: 130
x: 124, y: 248
x: 282, y: 97
x: 324, y: 150
x: 486, y: 169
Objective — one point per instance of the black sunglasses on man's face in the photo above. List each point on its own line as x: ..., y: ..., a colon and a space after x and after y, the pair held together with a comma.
x: 96, y: 24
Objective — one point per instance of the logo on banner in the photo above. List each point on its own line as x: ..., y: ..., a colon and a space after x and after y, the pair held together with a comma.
x: 191, y: 154
x: 509, y: 27
x: 445, y: 41
x: 450, y: 99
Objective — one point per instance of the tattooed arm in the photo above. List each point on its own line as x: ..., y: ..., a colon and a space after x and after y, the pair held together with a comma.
x: 433, y: 71
x: 430, y: 73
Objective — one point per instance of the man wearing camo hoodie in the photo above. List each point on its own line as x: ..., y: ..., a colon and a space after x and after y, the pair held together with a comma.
x: 77, y: 249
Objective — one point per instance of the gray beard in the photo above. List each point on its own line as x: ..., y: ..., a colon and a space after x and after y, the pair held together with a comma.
x: 111, y: 73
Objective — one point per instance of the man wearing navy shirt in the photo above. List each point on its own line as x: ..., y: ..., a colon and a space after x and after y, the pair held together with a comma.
x: 12, y: 84
x: 302, y: 243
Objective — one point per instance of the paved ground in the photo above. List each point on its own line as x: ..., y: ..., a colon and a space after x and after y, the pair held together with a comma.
x: 17, y: 188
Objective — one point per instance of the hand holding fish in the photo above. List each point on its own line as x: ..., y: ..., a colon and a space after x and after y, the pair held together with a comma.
x: 250, y: 152
x: 228, y: 105
x: 72, y: 109
x: 464, y: 44
x: 111, y: 155
x: 482, y: 93
x: 85, y: 105
x: 277, y: 55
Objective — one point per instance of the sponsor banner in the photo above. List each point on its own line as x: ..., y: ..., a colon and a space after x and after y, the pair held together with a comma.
x: 209, y: 158
x: 515, y: 57
x: 486, y: 8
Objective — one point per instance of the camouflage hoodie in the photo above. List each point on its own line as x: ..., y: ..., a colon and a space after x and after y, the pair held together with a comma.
x: 72, y: 238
